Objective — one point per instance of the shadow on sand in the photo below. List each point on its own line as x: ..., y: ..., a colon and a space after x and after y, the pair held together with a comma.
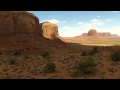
x: 54, y: 45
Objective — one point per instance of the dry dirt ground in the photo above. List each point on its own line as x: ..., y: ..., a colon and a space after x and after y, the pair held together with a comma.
x: 31, y: 66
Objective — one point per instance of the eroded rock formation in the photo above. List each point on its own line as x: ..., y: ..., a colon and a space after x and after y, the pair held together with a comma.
x: 92, y: 32
x: 18, y: 22
x: 49, y: 30
x: 22, y: 31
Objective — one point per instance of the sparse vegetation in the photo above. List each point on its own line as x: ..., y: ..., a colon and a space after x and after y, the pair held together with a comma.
x: 94, y: 51
x: 107, y: 41
x: 12, y: 61
x: 46, y: 55
x: 85, y: 66
x: 5, y: 69
x: 76, y: 73
x: 0, y: 53
x: 17, y: 53
x: 84, y: 53
x: 71, y: 64
x: 116, y: 56
x: 50, y: 67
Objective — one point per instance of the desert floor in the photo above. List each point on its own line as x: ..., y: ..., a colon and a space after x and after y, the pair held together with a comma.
x: 32, y: 66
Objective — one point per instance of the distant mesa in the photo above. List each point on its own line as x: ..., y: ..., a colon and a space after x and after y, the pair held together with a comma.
x: 93, y: 32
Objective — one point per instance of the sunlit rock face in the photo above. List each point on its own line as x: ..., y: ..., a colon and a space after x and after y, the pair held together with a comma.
x: 49, y: 30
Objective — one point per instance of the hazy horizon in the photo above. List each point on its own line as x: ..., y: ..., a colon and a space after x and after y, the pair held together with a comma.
x: 75, y: 23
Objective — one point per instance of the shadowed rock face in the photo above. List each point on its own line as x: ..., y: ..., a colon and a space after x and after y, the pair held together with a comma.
x: 18, y: 29
x: 49, y: 30
x: 92, y: 32
x: 18, y: 22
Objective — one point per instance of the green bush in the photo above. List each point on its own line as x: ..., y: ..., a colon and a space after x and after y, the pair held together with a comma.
x: 84, y: 53
x: 85, y: 66
x: 50, y: 67
x: 46, y: 55
x: 17, y: 53
x: 12, y: 61
x: 94, y: 51
x: 116, y: 56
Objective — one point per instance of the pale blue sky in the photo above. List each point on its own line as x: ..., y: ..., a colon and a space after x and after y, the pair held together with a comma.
x: 74, y: 23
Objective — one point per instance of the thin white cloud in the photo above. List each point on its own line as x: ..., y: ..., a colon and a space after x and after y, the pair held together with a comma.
x: 54, y: 21
x: 79, y: 23
x: 75, y: 30
x: 116, y: 27
x: 114, y: 30
x: 66, y: 27
x: 88, y: 25
x: 98, y: 16
x: 115, y: 11
x: 63, y: 22
x: 97, y: 22
x: 108, y: 19
x: 78, y: 30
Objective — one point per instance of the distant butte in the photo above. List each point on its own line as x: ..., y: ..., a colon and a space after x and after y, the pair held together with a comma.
x: 93, y: 32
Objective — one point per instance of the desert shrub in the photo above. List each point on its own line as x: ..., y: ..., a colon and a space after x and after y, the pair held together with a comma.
x: 85, y: 66
x: 12, y: 61
x: 94, y: 51
x: 76, y: 73
x: 116, y: 56
x: 91, y: 53
x: 46, y: 55
x: 84, y: 53
x: 17, y: 53
x: 50, y: 67
x: 0, y: 53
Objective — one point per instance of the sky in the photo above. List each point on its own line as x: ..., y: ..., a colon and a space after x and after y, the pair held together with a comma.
x: 74, y: 23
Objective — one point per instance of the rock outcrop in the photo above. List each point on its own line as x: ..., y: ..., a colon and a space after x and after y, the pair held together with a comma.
x: 22, y: 31
x: 49, y: 30
x: 92, y: 32
x: 18, y: 22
